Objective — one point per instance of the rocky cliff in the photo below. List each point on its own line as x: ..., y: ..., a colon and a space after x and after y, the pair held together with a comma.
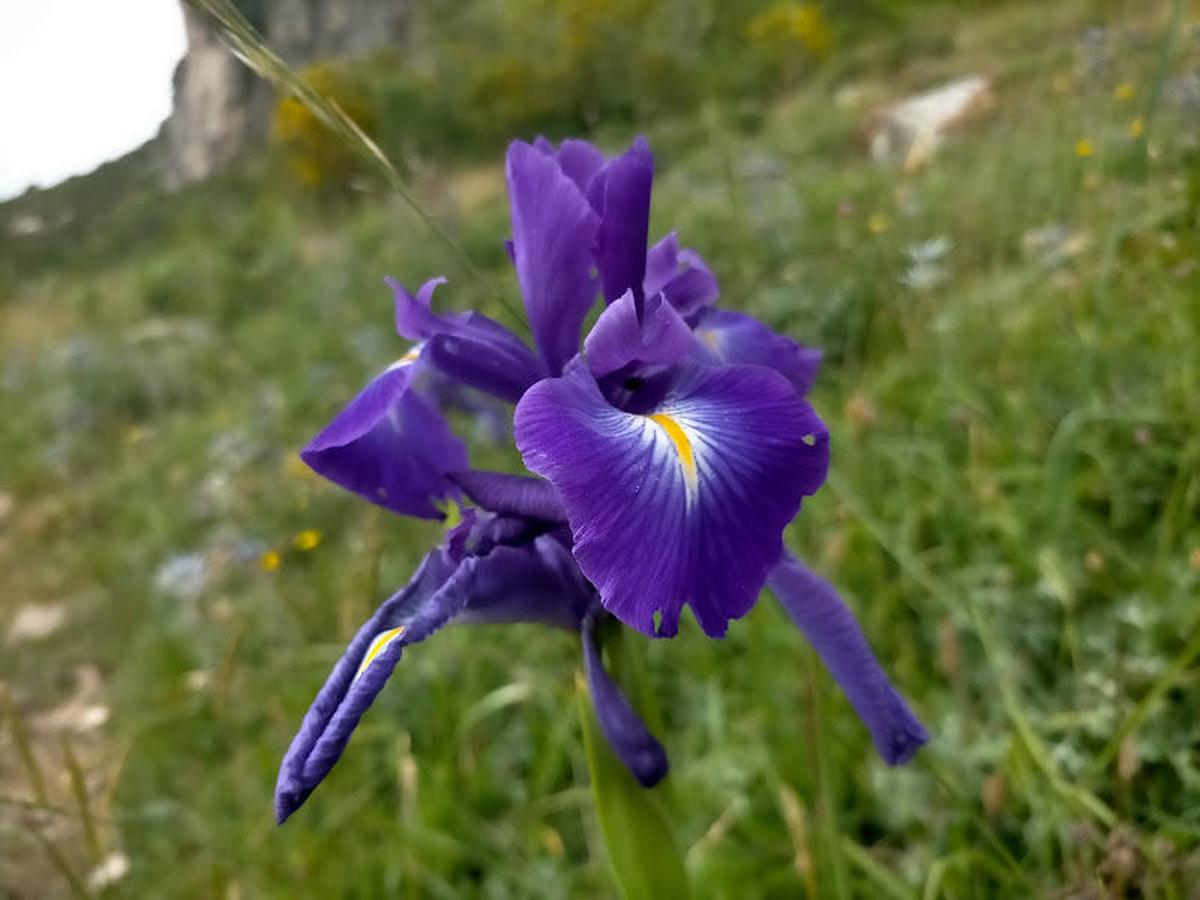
x: 221, y: 108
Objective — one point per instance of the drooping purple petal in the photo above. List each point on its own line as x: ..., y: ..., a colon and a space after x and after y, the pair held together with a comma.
x: 515, y: 495
x: 735, y: 337
x: 468, y: 347
x: 554, y: 229
x: 830, y: 627
x: 627, y: 734
x: 620, y: 193
x: 681, y: 276
x: 685, y: 504
x: 391, y: 447
x: 359, y: 675
x: 620, y: 337
x: 534, y: 582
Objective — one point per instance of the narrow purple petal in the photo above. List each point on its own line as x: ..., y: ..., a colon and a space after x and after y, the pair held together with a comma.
x: 735, y: 337
x: 627, y: 734
x: 620, y: 193
x: 681, y: 276
x: 819, y: 612
x: 685, y: 504
x: 391, y: 447
x: 619, y: 337
x: 515, y: 495
x: 554, y: 229
x: 351, y: 688
x: 535, y: 582
x: 468, y: 347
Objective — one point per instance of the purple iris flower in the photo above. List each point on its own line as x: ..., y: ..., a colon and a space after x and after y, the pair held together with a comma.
x: 670, y: 449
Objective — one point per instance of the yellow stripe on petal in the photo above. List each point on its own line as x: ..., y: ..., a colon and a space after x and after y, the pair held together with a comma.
x: 683, y: 446
x: 382, y: 641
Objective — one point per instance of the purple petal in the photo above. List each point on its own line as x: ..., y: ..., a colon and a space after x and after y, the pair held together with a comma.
x: 579, y: 160
x: 618, y: 338
x: 829, y: 626
x: 685, y: 504
x: 535, y: 582
x: 469, y: 347
x: 554, y: 229
x: 391, y: 447
x: 515, y: 495
x: 681, y: 275
x: 407, y: 617
x: 627, y: 734
x: 620, y: 193
x: 735, y: 337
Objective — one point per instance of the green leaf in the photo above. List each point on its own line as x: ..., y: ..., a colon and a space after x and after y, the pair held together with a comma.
x: 637, y: 833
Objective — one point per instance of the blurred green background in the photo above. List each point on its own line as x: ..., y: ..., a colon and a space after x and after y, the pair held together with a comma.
x: 1012, y: 380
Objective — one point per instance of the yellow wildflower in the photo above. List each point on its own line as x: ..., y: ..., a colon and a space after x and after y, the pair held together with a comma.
x: 1123, y: 91
x: 1136, y: 128
x: 306, y: 540
x: 270, y: 561
x: 878, y: 223
x: 1084, y: 148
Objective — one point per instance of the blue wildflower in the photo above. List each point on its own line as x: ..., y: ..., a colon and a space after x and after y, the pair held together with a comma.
x: 669, y: 452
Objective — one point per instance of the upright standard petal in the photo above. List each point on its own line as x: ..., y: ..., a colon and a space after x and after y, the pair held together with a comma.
x: 579, y: 160
x: 684, y: 504
x: 620, y: 193
x: 554, y: 229
x: 620, y: 337
x: 829, y: 626
x: 627, y: 734
x: 734, y: 337
x: 681, y: 276
x: 390, y: 446
x: 468, y: 347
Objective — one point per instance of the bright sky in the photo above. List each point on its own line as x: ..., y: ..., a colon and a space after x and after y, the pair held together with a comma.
x: 81, y: 82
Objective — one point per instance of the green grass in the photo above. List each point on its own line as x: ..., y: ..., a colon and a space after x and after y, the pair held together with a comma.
x: 1013, y: 512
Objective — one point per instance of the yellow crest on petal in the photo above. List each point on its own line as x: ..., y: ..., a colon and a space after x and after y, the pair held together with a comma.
x: 683, y: 446
x: 382, y: 641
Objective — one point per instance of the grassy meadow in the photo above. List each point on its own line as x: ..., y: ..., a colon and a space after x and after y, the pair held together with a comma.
x: 1012, y: 382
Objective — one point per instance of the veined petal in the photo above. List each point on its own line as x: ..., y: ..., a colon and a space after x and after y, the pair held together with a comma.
x: 620, y: 193
x: 619, y: 337
x: 830, y: 627
x: 390, y: 446
x: 681, y: 276
x: 734, y: 337
x: 627, y: 734
x: 533, y: 582
x: 554, y: 229
x: 685, y: 504
x: 468, y: 347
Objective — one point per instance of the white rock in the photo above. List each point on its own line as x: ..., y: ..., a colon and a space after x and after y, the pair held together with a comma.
x: 911, y: 131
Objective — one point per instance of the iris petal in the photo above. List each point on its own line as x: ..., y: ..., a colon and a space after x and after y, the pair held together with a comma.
x: 681, y: 276
x: 620, y: 337
x: 627, y: 734
x: 468, y: 347
x: 390, y: 446
x: 734, y: 337
x: 829, y: 626
x: 685, y: 504
x: 554, y: 229
x: 620, y: 193
x: 533, y: 582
